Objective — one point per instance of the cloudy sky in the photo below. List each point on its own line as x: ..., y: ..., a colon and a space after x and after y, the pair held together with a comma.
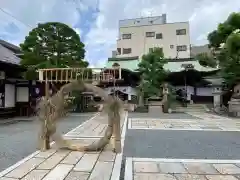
x: 96, y: 21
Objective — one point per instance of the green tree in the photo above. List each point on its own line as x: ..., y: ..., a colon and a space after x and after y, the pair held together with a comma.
x: 229, y: 59
x: 221, y: 34
x: 50, y: 45
x: 206, y: 60
x: 152, y: 73
x: 225, y: 45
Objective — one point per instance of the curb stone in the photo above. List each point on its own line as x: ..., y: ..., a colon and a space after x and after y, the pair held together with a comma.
x: 14, y: 121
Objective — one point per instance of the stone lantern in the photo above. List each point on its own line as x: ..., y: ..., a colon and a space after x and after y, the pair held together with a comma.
x: 234, y: 103
x: 165, y: 92
x: 217, y: 99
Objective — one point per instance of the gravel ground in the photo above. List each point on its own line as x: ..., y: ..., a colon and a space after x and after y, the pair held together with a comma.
x: 21, y: 139
x: 182, y: 144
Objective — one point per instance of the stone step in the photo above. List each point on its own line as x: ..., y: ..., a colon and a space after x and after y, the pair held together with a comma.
x: 190, y: 110
x: 191, y: 106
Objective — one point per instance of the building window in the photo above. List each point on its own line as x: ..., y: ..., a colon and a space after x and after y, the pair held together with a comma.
x: 171, y: 46
x: 159, y: 36
x: 126, y: 36
x: 150, y: 50
x: 181, y: 32
x: 150, y: 34
x: 182, y: 48
x: 119, y: 51
x: 127, y: 50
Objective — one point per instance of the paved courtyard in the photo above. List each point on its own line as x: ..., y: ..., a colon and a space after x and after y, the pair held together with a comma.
x: 182, y: 146
x: 20, y: 139
x: 202, y: 121
x: 144, y: 143
x: 71, y: 165
x: 176, y: 146
x: 185, y: 169
x: 157, y: 114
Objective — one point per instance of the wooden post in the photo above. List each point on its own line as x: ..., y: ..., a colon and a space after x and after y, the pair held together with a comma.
x: 51, y: 75
x: 120, y: 73
x: 66, y: 75
x: 61, y: 75
x: 71, y: 71
x: 46, y: 137
x: 56, y: 75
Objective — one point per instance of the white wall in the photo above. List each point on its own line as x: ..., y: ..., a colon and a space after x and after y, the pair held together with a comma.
x: 22, y: 94
x: 201, y: 91
x: 140, y: 44
x: 205, y: 91
x: 10, y: 100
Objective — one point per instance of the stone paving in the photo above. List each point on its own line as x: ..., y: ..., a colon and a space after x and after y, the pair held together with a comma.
x: 97, y: 125
x: 182, y: 144
x: 71, y: 165
x: 14, y: 136
x: 185, y: 169
x: 195, y: 146
x: 158, y: 115
x: 204, y: 121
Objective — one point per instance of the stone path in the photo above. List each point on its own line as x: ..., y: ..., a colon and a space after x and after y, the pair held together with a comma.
x: 14, y: 136
x: 185, y: 169
x: 204, y: 121
x: 71, y: 165
x: 192, y: 146
x: 91, y: 129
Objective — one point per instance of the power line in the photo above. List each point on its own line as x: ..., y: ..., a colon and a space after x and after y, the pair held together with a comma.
x: 5, y: 12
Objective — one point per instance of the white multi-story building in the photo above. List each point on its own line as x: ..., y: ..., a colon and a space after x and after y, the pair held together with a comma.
x: 138, y: 36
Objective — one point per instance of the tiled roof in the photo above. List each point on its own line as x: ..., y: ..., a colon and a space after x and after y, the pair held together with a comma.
x: 215, y: 81
x: 8, y: 56
x: 172, y: 65
x: 179, y: 66
x: 130, y: 64
x: 10, y: 46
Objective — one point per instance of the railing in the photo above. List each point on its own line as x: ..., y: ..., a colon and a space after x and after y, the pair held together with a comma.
x: 85, y: 74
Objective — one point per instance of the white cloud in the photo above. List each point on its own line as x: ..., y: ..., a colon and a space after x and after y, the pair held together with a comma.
x: 78, y: 31
x: 204, y: 15
x: 33, y: 12
x: 192, y: 17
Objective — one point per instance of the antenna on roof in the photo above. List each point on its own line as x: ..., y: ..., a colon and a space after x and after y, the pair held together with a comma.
x: 150, y: 17
x: 141, y: 15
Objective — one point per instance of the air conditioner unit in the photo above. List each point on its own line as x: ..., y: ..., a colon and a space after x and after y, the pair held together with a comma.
x: 2, y: 75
